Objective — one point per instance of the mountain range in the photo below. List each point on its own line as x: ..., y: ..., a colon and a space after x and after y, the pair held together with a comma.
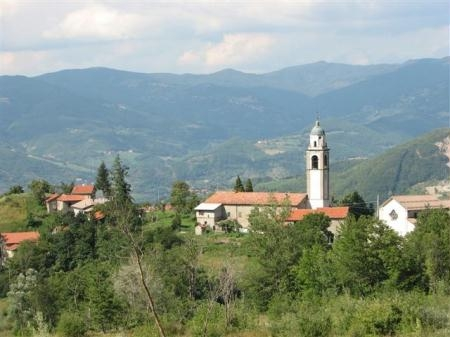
x: 207, y: 129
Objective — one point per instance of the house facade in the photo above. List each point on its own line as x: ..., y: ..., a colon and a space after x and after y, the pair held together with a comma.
x: 64, y: 202
x: 209, y: 214
x: 400, y: 212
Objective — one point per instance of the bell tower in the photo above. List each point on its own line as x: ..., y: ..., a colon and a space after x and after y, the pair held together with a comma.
x: 317, y: 168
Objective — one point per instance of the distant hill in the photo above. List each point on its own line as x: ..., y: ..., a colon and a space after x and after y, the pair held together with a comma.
x: 420, y: 160
x: 206, y: 129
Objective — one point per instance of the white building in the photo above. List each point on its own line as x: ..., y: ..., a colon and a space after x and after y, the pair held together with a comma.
x: 317, y: 168
x: 400, y: 211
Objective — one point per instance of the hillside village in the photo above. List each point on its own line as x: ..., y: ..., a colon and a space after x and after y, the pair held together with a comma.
x: 399, y: 212
x: 294, y: 239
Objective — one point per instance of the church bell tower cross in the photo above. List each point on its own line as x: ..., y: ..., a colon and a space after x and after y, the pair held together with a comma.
x: 317, y: 168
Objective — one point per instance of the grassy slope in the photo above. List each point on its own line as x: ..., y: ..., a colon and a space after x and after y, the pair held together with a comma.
x: 13, y: 211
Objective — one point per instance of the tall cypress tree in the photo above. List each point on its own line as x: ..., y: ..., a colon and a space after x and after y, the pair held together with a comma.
x: 248, y: 186
x: 102, y: 181
x: 121, y: 190
x: 238, y: 187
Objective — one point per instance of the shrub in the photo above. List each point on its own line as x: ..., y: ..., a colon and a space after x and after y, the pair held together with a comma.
x: 71, y: 325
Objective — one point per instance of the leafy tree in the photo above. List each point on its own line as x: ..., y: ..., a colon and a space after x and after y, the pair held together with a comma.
x: 102, y: 182
x: 182, y: 199
x: 121, y: 189
x: 15, y: 189
x: 357, y: 204
x: 106, y: 309
x: 39, y: 188
x: 238, y: 187
x: 20, y: 299
x: 248, y: 186
x: 277, y: 248
x: 71, y: 325
x: 430, y: 244
x: 365, y: 254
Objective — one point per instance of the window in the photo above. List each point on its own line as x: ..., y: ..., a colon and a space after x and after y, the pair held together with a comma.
x: 201, y: 212
x: 315, y: 144
x: 325, y: 161
x: 314, y: 162
x: 393, y: 215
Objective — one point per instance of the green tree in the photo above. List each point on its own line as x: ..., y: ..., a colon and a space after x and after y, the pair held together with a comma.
x: 39, y: 188
x: 121, y: 189
x: 429, y: 243
x: 15, y: 189
x: 182, y: 199
x: 357, y: 204
x: 248, y: 186
x: 365, y: 254
x: 20, y: 298
x: 238, y: 187
x: 277, y: 248
x: 102, y: 182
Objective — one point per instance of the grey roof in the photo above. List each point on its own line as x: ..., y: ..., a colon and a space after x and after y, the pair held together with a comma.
x: 317, y: 130
x: 207, y: 206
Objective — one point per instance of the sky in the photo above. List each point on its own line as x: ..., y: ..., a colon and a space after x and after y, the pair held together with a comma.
x: 199, y: 36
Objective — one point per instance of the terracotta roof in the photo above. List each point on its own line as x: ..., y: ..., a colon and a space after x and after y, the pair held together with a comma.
x: 418, y: 202
x: 331, y: 212
x: 12, y: 240
x: 83, y: 189
x: 254, y: 198
x: 52, y: 197
x: 71, y: 197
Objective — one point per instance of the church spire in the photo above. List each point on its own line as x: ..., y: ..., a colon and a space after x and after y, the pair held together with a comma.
x: 317, y: 168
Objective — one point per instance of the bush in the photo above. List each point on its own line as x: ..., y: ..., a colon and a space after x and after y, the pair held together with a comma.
x: 71, y: 325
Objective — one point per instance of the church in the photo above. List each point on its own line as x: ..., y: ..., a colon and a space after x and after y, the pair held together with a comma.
x: 229, y: 205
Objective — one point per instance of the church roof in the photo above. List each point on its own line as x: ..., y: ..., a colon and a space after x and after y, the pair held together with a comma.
x: 255, y: 198
x: 418, y: 202
x: 317, y: 130
x: 333, y: 213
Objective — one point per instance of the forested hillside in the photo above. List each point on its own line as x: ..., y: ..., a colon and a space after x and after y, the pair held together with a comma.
x: 59, y: 126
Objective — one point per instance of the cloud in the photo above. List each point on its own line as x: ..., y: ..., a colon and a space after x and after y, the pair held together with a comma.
x: 8, y: 7
x: 233, y: 50
x: 96, y: 22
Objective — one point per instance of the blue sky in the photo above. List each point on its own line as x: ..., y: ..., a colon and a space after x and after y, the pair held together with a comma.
x: 202, y: 36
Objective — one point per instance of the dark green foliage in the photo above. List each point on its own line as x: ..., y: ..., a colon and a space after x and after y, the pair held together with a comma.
x: 71, y: 325
x: 176, y: 222
x: 102, y: 181
x: 120, y: 188
x: 430, y: 242
x: 39, y: 188
x: 365, y: 254
x: 248, y: 186
x: 277, y: 249
x: 182, y: 199
x: 238, y: 187
x: 16, y: 189
x: 357, y: 204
